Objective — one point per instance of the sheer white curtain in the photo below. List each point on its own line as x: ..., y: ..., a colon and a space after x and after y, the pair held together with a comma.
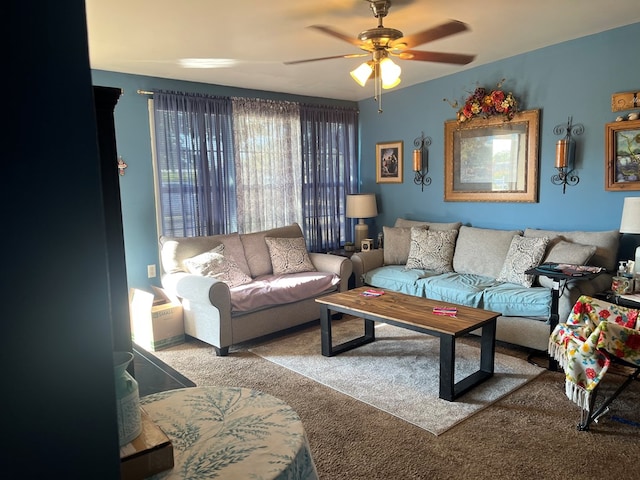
x: 268, y: 163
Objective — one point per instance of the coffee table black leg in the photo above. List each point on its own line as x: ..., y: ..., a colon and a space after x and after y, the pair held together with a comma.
x: 325, y: 331
x: 447, y: 367
x: 328, y: 349
x: 449, y: 389
x: 488, y: 347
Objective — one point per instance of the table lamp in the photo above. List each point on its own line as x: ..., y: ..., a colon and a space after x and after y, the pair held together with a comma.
x: 361, y: 206
x: 630, y: 224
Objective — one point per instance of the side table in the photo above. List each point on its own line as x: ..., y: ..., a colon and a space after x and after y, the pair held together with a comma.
x: 612, y: 297
x: 231, y: 433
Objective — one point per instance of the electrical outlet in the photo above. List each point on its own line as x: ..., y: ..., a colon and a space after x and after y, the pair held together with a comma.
x: 151, y: 271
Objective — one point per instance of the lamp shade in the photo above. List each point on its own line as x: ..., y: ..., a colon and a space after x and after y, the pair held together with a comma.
x: 630, y: 222
x: 361, y: 205
x: 362, y: 73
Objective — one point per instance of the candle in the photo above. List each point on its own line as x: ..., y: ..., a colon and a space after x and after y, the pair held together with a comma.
x: 417, y: 161
x: 561, y: 153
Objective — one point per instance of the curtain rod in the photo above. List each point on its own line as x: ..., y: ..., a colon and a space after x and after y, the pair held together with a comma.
x: 144, y: 92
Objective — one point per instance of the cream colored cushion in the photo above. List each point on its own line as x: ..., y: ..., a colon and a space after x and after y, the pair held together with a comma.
x: 215, y: 263
x: 397, y: 241
x: 569, y: 252
x: 432, y: 250
x: 482, y: 251
x: 289, y: 255
x: 524, y: 253
x: 606, y: 243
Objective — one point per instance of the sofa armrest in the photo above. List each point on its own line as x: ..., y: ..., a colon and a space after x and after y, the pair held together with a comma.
x: 206, y: 303
x: 364, y: 262
x: 341, y: 266
x: 198, y: 288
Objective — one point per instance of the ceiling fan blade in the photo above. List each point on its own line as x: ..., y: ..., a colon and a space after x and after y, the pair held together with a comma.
x: 429, y: 35
x: 335, y: 33
x: 351, y: 55
x: 441, y: 57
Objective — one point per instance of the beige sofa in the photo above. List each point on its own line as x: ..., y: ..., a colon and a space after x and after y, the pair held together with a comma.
x: 479, y: 267
x: 239, y: 287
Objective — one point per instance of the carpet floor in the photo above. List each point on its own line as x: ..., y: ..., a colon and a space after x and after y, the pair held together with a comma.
x: 528, y: 434
x: 398, y: 373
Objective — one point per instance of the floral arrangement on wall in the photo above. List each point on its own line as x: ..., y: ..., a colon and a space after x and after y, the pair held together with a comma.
x: 485, y: 103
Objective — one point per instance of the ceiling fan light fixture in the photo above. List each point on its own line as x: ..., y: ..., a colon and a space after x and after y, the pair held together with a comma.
x: 390, y: 73
x: 362, y: 73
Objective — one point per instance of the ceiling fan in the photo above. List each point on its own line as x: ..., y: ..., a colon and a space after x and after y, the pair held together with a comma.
x: 382, y: 43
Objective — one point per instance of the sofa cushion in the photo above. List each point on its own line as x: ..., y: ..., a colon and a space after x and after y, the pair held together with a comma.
x: 432, y: 250
x: 515, y: 300
x: 463, y: 289
x: 173, y: 250
x: 397, y: 241
x: 257, y: 252
x: 269, y: 290
x: 216, y: 264
x: 560, y: 251
x: 482, y: 251
x: 606, y: 243
x: 524, y: 253
x: 289, y: 255
x: 398, y: 278
x: 401, y: 222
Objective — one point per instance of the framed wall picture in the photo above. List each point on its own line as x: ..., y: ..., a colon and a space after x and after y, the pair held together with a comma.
x: 492, y: 160
x: 389, y: 160
x: 622, y: 155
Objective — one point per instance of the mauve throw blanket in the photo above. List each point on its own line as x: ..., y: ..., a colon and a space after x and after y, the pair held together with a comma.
x: 268, y: 290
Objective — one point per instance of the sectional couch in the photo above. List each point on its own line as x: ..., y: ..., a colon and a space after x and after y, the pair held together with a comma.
x: 239, y: 287
x: 485, y: 268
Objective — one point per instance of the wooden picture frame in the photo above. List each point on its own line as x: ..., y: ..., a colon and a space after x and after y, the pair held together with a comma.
x: 389, y: 162
x: 492, y: 160
x: 622, y: 155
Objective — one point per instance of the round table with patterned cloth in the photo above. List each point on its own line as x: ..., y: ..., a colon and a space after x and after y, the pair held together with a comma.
x: 231, y: 433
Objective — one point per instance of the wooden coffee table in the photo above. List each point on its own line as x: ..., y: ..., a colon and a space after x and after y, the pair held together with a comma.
x: 415, y: 313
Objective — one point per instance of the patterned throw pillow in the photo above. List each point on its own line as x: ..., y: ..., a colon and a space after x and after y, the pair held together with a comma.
x: 215, y: 264
x: 524, y: 253
x: 289, y: 255
x: 432, y: 249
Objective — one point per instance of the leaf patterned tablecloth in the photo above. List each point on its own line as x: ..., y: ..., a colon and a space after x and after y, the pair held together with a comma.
x: 583, y: 346
x: 231, y: 433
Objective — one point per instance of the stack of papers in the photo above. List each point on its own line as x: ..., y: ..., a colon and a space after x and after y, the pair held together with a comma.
x: 448, y: 311
x: 372, y: 293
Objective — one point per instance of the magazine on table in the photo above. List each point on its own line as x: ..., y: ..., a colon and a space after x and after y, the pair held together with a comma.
x: 569, y: 269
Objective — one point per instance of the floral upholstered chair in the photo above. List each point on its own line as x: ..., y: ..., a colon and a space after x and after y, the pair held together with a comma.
x: 595, y: 334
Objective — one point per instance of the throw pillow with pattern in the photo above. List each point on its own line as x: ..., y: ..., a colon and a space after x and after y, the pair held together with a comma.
x: 215, y: 264
x: 432, y: 249
x: 524, y: 253
x: 289, y: 255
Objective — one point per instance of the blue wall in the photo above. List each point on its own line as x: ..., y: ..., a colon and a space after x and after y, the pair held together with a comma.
x: 574, y: 79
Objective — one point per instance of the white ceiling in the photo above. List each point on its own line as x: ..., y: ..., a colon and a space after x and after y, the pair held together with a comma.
x: 148, y: 37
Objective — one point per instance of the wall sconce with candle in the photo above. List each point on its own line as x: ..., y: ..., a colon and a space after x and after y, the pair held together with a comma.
x: 421, y: 161
x: 566, y: 154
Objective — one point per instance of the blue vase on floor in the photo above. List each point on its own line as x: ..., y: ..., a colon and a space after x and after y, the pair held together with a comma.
x: 127, y: 399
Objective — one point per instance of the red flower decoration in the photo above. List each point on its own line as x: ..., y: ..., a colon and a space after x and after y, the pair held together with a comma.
x: 591, y: 373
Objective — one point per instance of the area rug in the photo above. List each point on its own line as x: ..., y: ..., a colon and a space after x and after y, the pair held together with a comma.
x: 398, y: 373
